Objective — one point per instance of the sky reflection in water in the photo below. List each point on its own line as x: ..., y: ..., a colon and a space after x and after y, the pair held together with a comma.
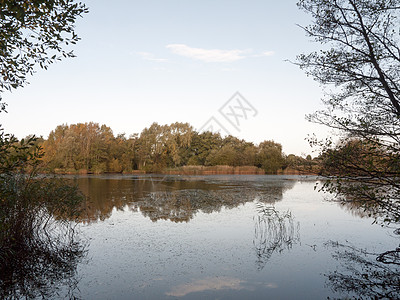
x: 225, y: 237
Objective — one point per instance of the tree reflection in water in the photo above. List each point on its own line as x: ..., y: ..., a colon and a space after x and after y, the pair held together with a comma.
x: 274, y: 232
x: 174, y: 198
x: 360, y: 273
x: 182, y: 205
x: 39, y: 243
x: 44, y: 266
x: 179, y: 199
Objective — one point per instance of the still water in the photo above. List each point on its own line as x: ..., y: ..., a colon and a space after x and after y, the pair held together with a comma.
x: 227, y: 237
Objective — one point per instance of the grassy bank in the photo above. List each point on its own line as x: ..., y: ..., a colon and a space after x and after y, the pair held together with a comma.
x: 202, y: 170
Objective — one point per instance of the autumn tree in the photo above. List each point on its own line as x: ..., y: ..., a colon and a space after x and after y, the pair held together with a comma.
x: 202, y: 145
x: 179, y: 138
x: 122, y: 154
x: 359, y: 64
x: 162, y: 146
x: 270, y: 157
x: 232, y: 151
x: 88, y: 147
x: 152, y: 144
x: 226, y: 155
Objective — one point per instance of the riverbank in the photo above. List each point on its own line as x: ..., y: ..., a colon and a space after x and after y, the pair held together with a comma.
x: 200, y: 170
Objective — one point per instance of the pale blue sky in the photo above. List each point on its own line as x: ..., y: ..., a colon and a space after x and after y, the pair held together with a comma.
x: 164, y: 61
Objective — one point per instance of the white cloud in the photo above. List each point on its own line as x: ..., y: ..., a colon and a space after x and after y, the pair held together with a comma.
x: 265, y: 53
x: 268, y: 53
x: 151, y: 57
x: 207, y: 55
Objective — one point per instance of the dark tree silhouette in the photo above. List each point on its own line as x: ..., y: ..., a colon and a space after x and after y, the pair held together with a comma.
x: 359, y: 64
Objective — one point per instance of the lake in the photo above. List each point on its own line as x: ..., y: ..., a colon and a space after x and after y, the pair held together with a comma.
x: 227, y: 237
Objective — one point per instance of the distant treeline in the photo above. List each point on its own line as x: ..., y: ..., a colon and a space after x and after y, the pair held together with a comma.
x: 91, y: 148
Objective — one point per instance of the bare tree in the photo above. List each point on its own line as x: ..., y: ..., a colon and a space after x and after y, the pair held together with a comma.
x: 359, y: 66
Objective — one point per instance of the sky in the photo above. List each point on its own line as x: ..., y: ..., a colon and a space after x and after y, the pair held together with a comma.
x: 167, y: 61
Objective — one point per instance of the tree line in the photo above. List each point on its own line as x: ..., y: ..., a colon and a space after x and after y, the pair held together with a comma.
x: 93, y: 148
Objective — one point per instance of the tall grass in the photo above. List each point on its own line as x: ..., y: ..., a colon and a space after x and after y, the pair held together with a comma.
x: 39, y: 244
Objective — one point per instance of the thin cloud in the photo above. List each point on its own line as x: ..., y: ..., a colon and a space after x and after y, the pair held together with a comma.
x: 151, y: 57
x: 268, y: 53
x: 265, y: 53
x: 206, y: 55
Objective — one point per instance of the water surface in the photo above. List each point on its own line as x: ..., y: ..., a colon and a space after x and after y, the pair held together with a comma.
x: 228, y: 237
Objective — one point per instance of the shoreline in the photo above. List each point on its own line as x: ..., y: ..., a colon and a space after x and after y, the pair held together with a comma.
x: 197, y: 170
